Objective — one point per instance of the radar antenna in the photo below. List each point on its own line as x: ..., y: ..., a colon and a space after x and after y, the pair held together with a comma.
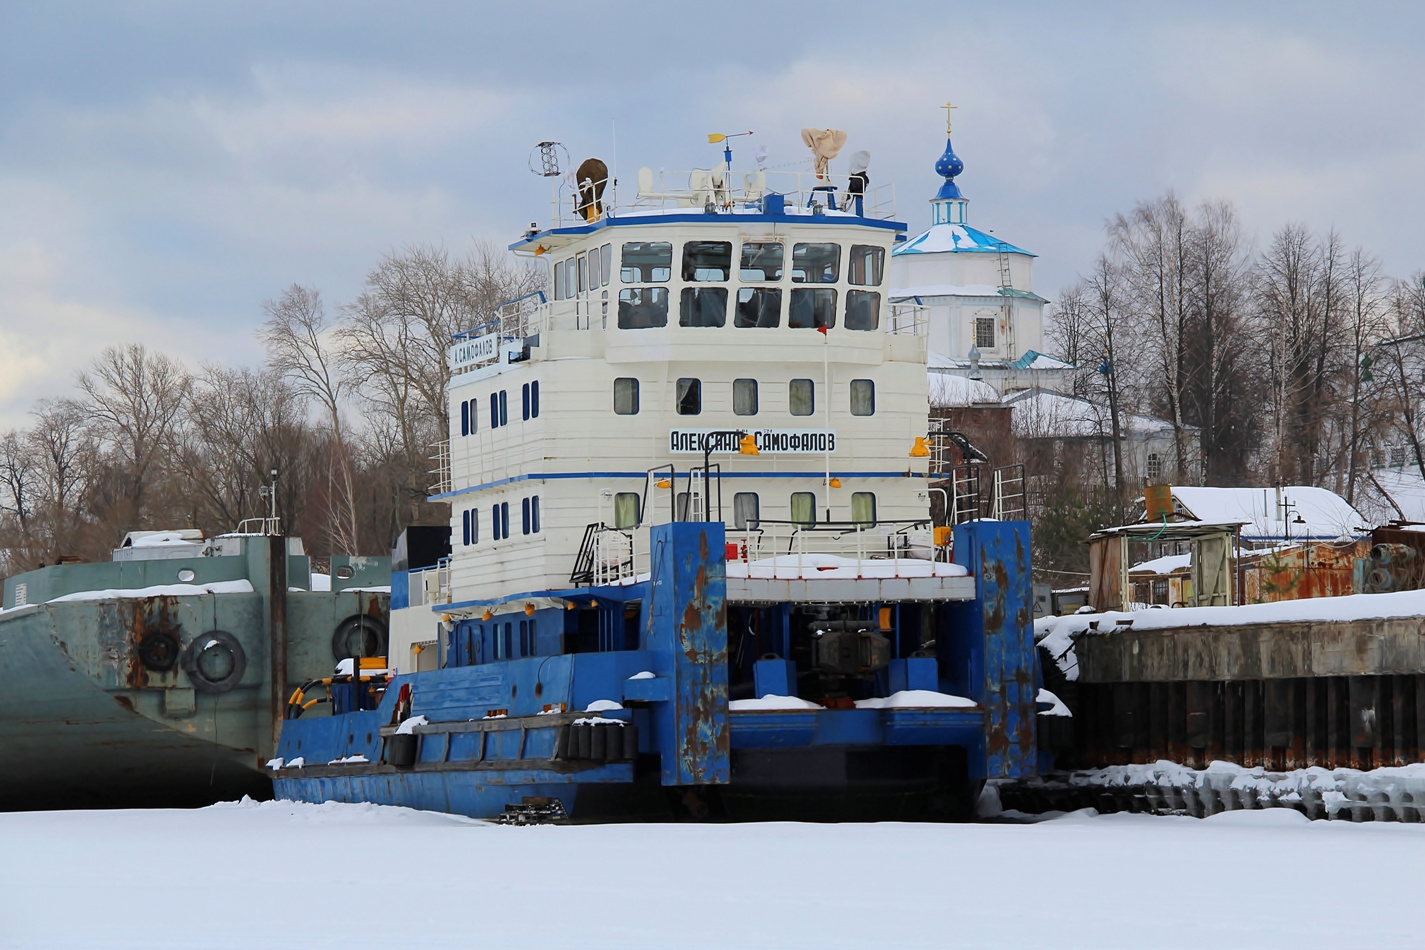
x: 548, y: 160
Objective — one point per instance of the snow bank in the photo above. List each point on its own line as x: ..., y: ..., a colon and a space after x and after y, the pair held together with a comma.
x: 1057, y: 634
x: 770, y: 702
x: 158, y: 590
x: 600, y: 705
x: 409, y: 726
x: 1059, y: 707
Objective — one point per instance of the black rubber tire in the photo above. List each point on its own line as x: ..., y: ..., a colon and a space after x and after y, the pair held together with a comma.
x: 159, y: 651
x: 203, y: 642
x: 371, y: 630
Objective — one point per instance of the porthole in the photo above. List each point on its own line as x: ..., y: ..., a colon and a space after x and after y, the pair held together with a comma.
x: 345, y: 573
x: 186, y: 576
x: 214, y: 662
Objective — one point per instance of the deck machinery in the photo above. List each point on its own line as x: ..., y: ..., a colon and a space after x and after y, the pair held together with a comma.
x: 692, y: 563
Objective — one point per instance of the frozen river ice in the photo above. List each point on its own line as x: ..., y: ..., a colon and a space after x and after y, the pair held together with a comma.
x: 279, y: 875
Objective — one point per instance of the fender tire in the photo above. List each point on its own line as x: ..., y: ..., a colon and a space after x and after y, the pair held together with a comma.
x: 372, y: 631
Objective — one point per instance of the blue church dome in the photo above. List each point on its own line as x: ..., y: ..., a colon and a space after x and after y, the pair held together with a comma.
x: 948, y: 166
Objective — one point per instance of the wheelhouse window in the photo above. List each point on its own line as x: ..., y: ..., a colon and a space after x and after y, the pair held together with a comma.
x: 762, y: 262
x: 647, y: 262
x: 626, y: 396
x: 569, y: 278
x: 863, y: 309
x: 595, y: 269
x: 707, y: 260
x: 801, y: 397
x: 688, y: 396
x: 703, y: 307
x: 816, y: 263
x: 744, y: 397
x: 863, y: 507
x: 641, y: 308
x: 863, y: 397
x: 745, y: 510
x: 607, y: 253
x: 865, y: 265
x: 626, y: 509
x: 812, y: 309
x: 559, y: 281
x: 583, y: 273
x: 758, y: 307
x: 804, y: 508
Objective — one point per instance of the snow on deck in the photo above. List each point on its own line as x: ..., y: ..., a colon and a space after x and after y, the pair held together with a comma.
x: 281, y: 876
x: 834, y: 566
x: 158, y: 590
x: 1056, y: 634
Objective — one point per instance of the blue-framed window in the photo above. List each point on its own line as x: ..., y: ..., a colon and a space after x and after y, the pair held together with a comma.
x: 498, y: 409
x: 499, y: 521
x: 465, y: 528
x: 529, y: 515
x: 465, y: 418
x: 529, y: 401
x: 504, y: 417
x: 473, y: 407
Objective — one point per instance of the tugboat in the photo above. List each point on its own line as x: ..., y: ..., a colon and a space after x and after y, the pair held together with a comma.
x: 693, y: 568
x: 160, y: 677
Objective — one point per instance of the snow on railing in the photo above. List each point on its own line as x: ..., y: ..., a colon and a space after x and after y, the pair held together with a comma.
x: 784, y: 549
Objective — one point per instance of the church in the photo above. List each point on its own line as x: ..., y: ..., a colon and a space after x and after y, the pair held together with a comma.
x: 985, y: 320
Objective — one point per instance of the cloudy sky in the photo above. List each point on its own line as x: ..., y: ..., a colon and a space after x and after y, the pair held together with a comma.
x: 165, y: 167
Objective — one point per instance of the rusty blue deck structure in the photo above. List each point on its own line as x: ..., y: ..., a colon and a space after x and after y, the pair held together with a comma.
x: 663, y: 732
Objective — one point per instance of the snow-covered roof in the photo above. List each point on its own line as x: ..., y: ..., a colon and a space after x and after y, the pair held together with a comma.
x: 956, y: 238
x: 932, y: 291
x: 949, y: 391
x: 1039, y: 413
x: 1405, y: 487
x: 1325, y: 515
x: 1163, y: 565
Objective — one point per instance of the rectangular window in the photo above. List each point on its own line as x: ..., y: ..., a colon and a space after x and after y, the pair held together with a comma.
x: 495, y: 523
x: 804, y: 508
x: 559, y: 281
x: 465, y: 528
x: 761, y: 262
x: 816, y: 263
x: 583, y: 274
x: 744, y: 397
x: 626, y: 509
x: 494, y: 410
x: 707, y: 260
x: 509, y: 637
x: 863, y: 397
x: 569, y: 277
x: 703, y: 307
x: 985, y: 332
x: 801, y: 397
x: 688, y: 396
x: 863, y: 309
x: 499, y: 642
x: 524, y: 402
x: 865, y: 266
x: 682, y: 507
x: 534, y: 515
x: 474, y: 526
x: 608, y: 265
x: 594, y: 270
x: 642, y: 308
x: 465, y: 418
x: 863, y: 507
x: 626, y: 396
x: 534, y: 399
x: 758, y: 307
x: 745, y: 512
x: 524, y: 638
x: 647, y: 262
x: 504, y: 519
x: 474, y: 416
x: 811, y: 309
x: 524, y: 516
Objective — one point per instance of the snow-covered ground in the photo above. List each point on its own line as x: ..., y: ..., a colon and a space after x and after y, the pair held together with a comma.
x: 281, y: 875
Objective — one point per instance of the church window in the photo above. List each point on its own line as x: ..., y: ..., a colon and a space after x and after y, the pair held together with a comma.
x: 707, y: 260
x: 1155, y: 465
x: 801, y: 397
x: 985, y: 332
x: 863, y: 397
x: 758, y: 307
x: 865, y: 265
x: 816, y: 263
x: 647, y: 262
x: 811, y: 309
x: 762, y: 262
x: 640, y: 308
x: 688, y: 398
x: 626, y: 396
x: 703, y: 307
x: 744, y: 397
x: 863, y: 309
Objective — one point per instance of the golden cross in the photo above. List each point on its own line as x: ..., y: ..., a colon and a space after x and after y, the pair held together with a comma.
x: 947, y: 107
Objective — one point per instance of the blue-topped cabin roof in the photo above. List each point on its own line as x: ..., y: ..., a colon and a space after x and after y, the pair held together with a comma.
x: 957, y: 238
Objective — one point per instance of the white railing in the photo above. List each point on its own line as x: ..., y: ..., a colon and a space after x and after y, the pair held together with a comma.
x: 908, y: 319
x: 787, y: 550
x: 618, y: 555
x: 440, y: 475
x: 268, y: 526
